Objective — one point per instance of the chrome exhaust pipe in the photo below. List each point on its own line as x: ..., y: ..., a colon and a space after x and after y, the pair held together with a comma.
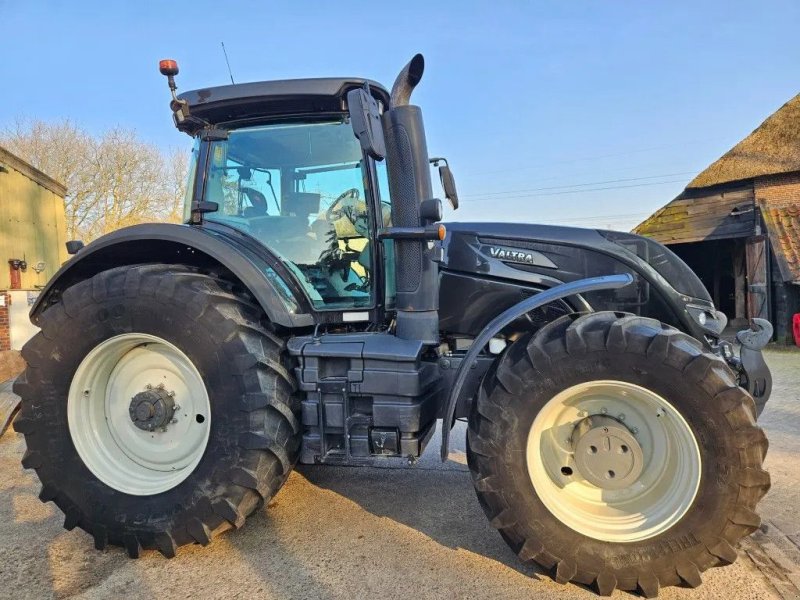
x: 406, y: 81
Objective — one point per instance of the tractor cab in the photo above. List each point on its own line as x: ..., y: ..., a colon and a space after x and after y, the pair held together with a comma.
x: 279, y: 162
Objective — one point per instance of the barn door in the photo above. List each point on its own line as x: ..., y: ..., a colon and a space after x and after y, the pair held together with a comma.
x: 757, y: 288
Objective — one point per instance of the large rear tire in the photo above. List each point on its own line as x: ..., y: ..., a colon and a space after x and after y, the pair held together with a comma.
x: 158, y: 407
x: 615, y: 451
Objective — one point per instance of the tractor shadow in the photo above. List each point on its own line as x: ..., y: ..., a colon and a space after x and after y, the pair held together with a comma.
x: 435, y: 499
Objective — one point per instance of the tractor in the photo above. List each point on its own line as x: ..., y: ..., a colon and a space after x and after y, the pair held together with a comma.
x: 313, y: 308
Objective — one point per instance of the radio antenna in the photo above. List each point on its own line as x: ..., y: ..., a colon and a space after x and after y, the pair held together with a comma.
x: 227, y: 62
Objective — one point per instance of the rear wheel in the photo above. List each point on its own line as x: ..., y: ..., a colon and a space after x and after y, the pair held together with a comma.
x: 157, y: 407
x: 615, y: 451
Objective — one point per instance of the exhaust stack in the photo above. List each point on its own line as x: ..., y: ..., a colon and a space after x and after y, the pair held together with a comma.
x: 416, y: 274
x: 406, y: 81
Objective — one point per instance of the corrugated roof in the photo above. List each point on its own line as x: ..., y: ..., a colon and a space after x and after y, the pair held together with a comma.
x: 773, y: 148
x: 783, y: 224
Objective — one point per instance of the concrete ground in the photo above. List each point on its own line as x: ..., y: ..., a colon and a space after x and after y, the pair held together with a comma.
x: 11, y: 363
x: 374, y: 533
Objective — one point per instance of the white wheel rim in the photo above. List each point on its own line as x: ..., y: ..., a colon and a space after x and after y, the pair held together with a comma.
x: 120, y: 454
x: 653, y: 503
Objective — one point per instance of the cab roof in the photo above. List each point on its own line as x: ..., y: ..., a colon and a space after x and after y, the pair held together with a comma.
x: 243, y: 101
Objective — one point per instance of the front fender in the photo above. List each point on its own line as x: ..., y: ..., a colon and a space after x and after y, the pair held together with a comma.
x: 261, y: 273
x: 497, y: 324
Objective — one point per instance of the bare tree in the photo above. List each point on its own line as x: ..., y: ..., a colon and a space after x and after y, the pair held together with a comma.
x: 113, y: 180
x: 178, y: 171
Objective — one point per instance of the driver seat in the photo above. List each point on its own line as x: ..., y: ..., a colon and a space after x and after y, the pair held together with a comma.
x: 258, y: 203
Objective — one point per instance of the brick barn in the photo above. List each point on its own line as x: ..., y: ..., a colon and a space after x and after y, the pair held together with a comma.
x: 737, y: 224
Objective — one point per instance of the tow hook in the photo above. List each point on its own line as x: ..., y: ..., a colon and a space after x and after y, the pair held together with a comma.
x: 754, y: 373
x: 758, y: 336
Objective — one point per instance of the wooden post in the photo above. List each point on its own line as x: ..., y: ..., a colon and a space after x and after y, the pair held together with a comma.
x: 740, y: 281
x: 757, y: 282
x: 717, y: 269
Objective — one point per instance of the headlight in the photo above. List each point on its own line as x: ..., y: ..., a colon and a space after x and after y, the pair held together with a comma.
x: 711, y: 320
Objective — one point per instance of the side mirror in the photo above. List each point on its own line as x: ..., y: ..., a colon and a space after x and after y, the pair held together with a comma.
x: 365, y: 117
x: 74, y: 246
x: 448, y: 181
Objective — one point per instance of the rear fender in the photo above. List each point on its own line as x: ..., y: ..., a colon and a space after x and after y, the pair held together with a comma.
x: 497, y: 324
x: 260, y: 272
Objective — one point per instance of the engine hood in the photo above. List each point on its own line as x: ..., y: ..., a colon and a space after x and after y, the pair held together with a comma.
x: 494, y: 265
x: 557, y: 254
x: 528, y: 231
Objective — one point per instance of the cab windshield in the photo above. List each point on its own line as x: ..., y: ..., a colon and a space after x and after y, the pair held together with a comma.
x: 301, y: 190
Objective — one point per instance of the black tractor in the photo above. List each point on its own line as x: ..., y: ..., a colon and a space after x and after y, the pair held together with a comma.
x: 314, y: 309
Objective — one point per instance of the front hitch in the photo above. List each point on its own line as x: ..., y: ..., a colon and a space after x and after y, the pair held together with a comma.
x: 754, y: 374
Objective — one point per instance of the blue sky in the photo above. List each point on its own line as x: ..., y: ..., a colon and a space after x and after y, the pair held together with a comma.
x: 585, y: 113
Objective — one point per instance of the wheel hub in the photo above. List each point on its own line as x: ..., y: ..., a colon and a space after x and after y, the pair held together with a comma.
x: 606, y: 452
x: 154, y: 408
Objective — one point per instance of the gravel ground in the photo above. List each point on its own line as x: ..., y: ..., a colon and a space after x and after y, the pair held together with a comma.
x: 365, y: 533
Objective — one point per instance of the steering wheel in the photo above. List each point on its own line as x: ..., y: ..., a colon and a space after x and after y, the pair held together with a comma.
x: 346, y: 200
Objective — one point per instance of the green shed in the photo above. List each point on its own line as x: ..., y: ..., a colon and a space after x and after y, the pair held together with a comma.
x: 32, y: 224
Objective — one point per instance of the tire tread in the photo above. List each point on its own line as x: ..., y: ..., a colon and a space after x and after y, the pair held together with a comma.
x: 267, y: 451
x: 576, y: 335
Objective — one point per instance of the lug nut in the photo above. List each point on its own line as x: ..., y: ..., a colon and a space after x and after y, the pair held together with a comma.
x: 621, y: 416
x: 148, y: 387
x: 604, y: 410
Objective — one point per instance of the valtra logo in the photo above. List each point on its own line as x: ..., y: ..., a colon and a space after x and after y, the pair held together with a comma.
x: 515, y: 255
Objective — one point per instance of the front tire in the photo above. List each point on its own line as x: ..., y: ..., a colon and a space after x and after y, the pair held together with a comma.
x: 158, y: 407
x: 682, y: 471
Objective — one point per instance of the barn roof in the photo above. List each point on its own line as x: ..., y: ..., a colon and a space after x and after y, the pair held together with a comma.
x: 719, y: 203
x: 718, y: 214
x: 773, y: 148
x: 32, y: 173
x: 783, y: 224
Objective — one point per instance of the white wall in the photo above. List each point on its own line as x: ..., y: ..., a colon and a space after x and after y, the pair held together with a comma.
x: 21, y: 327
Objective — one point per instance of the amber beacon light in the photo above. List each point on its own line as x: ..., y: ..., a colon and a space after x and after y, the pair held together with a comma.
x: 168, y: 67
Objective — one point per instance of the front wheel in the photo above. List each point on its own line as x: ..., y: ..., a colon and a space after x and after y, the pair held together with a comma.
x: 158, y: 407
x: 615, y: 451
